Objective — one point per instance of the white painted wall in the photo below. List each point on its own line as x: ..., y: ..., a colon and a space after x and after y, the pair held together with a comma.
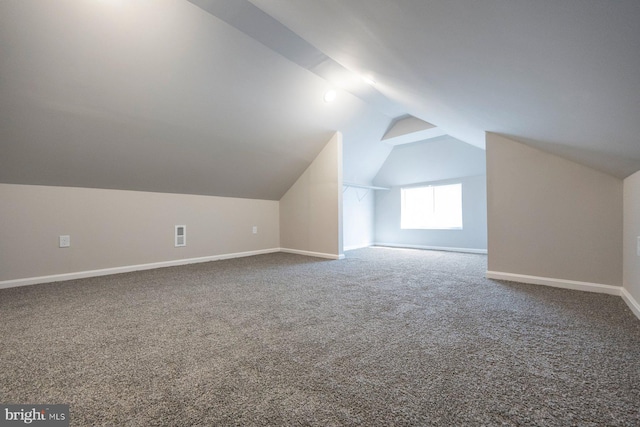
x: 550, y: 217
x: 358, y: 218
x: 442, y: 160
x: 115, y: 228
x: 311, y: 210
x: 631, y: 274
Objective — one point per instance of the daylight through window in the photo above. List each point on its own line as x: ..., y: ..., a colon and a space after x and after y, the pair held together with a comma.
x: 432, y: 207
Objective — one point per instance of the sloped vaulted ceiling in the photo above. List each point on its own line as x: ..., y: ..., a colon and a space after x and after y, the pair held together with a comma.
x: 157, y: 96
x: 561, y: 75
x: 178, y: 96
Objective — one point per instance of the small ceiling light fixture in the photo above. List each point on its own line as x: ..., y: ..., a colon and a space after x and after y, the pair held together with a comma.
x: 329, y: 96
x: 368, y: 80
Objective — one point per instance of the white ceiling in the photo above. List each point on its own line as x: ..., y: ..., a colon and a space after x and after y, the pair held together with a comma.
x: 224, y: 97
x: 560, y: 75
x: 159, y: 95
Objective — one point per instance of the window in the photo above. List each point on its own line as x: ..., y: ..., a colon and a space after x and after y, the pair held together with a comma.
x: 432, y: 207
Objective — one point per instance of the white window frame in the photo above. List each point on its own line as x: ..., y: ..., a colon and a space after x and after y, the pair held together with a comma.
x: 431, y: 218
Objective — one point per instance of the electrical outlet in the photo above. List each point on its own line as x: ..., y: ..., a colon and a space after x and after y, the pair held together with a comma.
x: 255, y: 229
x: 65, y: 241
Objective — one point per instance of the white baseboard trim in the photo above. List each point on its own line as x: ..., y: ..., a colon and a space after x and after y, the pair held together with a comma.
x: 359, y: 246
x: 556, y: 283
x: 128, y: 268
x: 313, y: 254
x: 432, y: 248
x: 631, y: 302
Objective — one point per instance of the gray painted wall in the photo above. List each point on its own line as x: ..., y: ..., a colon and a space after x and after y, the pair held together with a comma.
x: 551, y: 217
x: 311, y: 210
x: 631, y: 273
x: 439, y: 161
x: 116, y: 228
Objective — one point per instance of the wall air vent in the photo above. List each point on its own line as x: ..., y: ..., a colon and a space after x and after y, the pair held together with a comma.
x: 181, y: 235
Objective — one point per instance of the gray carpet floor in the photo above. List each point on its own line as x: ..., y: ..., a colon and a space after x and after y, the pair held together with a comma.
x: 384, y: 337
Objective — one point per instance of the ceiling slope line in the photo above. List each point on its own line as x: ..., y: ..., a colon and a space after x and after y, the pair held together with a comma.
x: 410, y: 129
x: 260, y: 26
